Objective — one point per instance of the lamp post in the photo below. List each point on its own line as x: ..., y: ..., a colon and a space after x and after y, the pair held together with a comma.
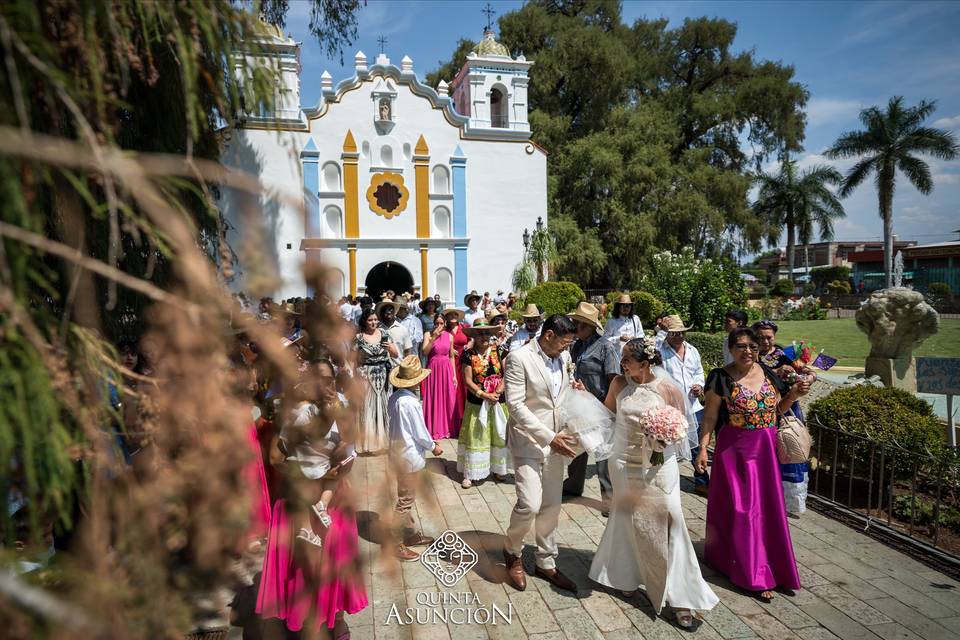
x: 526, y: 242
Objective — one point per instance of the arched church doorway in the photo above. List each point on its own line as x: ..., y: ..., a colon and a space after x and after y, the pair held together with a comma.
x: 388, y: 276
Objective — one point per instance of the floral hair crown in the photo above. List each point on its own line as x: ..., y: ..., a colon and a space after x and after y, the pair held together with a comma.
x: 646, y: 345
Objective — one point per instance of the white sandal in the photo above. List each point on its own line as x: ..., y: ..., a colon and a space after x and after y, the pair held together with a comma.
x: 320, y: 510
x: 684, y: 618
x: 310, y: 537
x: 466, y: 484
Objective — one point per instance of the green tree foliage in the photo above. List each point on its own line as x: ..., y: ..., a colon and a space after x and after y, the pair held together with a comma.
x: 783, y: 288
x: 646, y: 306
x: 643, y: 126
x: 710, y: 346
x: 555, y: 297
x: 798, y: 201
x: 890, y: 141
x: 700, y: 290
x: 822, y: 275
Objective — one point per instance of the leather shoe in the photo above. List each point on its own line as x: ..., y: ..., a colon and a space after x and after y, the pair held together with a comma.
x: 701, y: 489
x: 515, y: 573
x: 405, y: 554
x: 418, y: 540
x: 557, y: 579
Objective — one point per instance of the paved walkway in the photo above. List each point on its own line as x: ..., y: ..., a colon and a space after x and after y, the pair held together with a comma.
x: 854, y: 587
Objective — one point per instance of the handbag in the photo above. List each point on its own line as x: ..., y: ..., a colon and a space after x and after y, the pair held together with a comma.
x: 793, y: 440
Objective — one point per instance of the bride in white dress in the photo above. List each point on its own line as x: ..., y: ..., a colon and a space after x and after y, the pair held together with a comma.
x: 646, y: 543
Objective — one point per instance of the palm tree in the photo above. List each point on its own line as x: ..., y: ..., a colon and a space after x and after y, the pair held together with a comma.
x: 798, y: 201
x: 890, y: 141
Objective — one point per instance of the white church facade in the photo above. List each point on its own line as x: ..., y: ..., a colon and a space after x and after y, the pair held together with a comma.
x: 404, y: 186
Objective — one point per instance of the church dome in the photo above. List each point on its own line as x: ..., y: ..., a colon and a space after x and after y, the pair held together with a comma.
x: 490, y: 47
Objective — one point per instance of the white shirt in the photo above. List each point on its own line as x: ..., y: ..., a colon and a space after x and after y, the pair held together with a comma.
x: 346, y: 311
x: 554, y: 368
x: 414, y: 327
x: 686, y: 372
x: 401, y: 338
x: 357, y: 312
x: 522, y: 337
x: 409, y: 438
x: 660, y: 338
x: 621, y: 326
x: 470, y: 316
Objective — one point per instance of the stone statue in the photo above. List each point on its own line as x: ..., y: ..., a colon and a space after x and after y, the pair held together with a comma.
x: 896, y: 322
x: 385, y: 109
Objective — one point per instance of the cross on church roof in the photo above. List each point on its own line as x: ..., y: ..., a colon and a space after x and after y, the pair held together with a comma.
x: 489, y: 12
x: 382, y: 42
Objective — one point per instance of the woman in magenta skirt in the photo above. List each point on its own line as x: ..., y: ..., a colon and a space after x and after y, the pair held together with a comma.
x: 747, y: 536
x: 305, y: 585
x: 439, y: 390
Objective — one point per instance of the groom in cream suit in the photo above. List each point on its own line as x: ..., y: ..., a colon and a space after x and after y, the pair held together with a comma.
x: 537, y: 378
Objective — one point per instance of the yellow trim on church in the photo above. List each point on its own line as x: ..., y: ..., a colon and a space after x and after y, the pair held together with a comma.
x: 421, y: 169
x: 394, y: 179
x: 352, y: 258
x: 351, y: 188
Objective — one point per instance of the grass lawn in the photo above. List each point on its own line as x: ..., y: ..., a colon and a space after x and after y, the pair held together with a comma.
x: 841, y: 339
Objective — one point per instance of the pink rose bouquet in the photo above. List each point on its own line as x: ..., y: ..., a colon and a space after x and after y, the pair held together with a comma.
x: 490, y: 383
x: 663, y: 426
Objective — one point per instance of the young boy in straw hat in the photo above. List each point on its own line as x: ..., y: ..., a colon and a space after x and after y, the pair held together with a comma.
x: 409, y: 443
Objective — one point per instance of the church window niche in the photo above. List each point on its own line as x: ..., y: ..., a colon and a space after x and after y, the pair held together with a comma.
x: 444, y: 284
x: 331, y: 177
x: 498, y: 109
x: 441, y: 222
x: 384, y: 97
x: 441, y: 180
x: 332, y: 222
x: 386, y: 156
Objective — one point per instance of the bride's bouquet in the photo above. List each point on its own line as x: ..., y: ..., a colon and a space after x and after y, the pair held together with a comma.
x: 662, y: 426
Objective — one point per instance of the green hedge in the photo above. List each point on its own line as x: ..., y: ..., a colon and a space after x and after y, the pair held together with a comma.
x: 822, y: 275
x: 555, y: 297
x: 782, y: 288
x: 939, y: 288
x: 882, y: 414
x: 710, y: 346
x: 645, y: 305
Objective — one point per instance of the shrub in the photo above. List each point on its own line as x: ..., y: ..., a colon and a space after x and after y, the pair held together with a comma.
x: 810, y: 309
x: 645, y: 305
x: 710, y: 346
x: 922, y: 510
x: 555, y: 297
x: 939, y: 288
x: 809, y: 289
x: 883, y: 414
x: 839, y: 287
x: 782, y: 288
x: 823, y: 275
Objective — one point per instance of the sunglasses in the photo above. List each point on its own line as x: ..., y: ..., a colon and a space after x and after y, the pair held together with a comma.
x: 746, y: 347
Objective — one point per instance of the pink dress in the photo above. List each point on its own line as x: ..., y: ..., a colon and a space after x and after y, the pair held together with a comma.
x: 460, y: 341
x: 311, y: 589
x: 256, y: 477
x: 439, y: 395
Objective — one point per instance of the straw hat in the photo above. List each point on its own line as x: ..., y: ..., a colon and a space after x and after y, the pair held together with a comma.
x: 480, y: 328
x: 674, y: 323
x: 409, y: 373
x: 450, y: 309
x: 472, y: 294
x: 387, y: 303
x: 586, y: 312
x: 423, y: 303
x: 532, y: 311
x: 289, y: 308
x: 624, y: 299
x: 493, y: 313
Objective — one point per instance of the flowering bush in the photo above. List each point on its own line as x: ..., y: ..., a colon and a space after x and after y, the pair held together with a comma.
x: 663, y: 426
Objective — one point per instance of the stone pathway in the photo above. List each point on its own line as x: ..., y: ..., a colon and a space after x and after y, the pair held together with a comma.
x: 854, y: 587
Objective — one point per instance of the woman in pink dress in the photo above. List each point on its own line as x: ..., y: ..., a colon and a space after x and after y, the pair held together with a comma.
x: 439, y: 389
x: 460, y: 342
x: 747, y: 535
x: 309, y: 586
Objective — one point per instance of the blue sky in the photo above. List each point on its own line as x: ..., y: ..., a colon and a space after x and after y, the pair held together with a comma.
x: 849, y: 55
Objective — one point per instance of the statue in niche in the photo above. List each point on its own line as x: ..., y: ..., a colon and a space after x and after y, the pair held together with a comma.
x: 385, y: 109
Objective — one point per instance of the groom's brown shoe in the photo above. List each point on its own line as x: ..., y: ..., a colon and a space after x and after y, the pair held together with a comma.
x: 557, y: 579
x: 515, y: 573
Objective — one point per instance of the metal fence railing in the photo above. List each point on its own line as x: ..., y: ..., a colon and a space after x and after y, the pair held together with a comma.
x: 909, y: 498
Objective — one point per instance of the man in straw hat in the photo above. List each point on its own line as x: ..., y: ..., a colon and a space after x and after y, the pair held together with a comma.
x: 532, y: 321
x: 597, y: 363
x: 409, y: 443
x: 681, y: 361
x: 387, y: 313
x: 537, y: 379
x: 472, y: 302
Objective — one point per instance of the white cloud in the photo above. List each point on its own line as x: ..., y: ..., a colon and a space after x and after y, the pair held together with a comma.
x: 827, y: 111
x: 875, y: 26
x: 946, y: 178
x: 948, y: 123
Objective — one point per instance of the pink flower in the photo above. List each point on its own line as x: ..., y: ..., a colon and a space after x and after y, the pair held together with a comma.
x: 665, y: 425
x: 491, y: 383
